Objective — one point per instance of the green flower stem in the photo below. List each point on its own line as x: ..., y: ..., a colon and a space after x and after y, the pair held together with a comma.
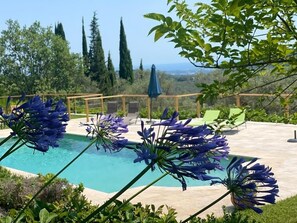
x: 6, y: 139
x: 94, y: 213
x: 49, y: 181
x: 206, y: 207
x: 12, y: 149
x: 135, y: 195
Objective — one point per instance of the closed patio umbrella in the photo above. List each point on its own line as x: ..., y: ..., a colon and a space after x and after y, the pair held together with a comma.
x: 154, y: 88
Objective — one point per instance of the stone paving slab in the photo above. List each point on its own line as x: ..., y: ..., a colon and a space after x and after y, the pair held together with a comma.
x: 267, y: 141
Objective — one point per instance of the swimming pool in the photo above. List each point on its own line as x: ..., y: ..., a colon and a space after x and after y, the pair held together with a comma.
x: 98, y: 170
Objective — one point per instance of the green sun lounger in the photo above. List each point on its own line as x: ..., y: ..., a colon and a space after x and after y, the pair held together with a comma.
x: 209, y: 118
x: 235, y: 119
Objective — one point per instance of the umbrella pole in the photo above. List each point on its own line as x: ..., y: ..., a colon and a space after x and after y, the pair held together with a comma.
x: 151, y: 109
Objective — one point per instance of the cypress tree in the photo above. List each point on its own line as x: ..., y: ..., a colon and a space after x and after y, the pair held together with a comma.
x: 141, y: 66
x: 111, y: 70
x: 126, y: 68
x: 59, y: 30
x: 85, y: 50
x: 141, y: 70
x: 98, y: 71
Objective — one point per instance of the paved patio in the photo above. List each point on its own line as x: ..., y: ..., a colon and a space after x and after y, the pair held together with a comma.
x: 267, y: 141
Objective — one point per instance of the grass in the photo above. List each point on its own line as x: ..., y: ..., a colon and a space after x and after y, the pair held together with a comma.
x: 282, y: 211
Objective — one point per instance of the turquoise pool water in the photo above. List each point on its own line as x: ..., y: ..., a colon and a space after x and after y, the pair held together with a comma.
x: 98, y: 170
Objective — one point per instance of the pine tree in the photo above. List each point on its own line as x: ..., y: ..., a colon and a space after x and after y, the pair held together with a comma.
x: 85, y: 50
x: 98, y: 71
x: 59, y: 30
x: 126, y: 68
x: 111, y: 71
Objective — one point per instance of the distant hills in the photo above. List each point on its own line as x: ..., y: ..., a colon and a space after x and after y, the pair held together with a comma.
x: 178, y: 68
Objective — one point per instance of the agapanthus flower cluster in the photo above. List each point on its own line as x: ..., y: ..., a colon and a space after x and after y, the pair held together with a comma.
x: 38, y: 124
x: 250, y: 184
x: 181, y: 150
x: 107, y: 130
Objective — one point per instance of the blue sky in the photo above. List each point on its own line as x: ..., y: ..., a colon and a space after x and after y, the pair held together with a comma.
x: 70, y: 13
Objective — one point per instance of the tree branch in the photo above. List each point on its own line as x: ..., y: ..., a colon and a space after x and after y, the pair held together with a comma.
x: 243, y: 65
x: 249, y: 77
x: 223, y: 45
x: 279, y: 94
x: 266, y: 84
x: 287, y: 25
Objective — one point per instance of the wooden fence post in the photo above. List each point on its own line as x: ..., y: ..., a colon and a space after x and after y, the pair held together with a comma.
x: 198, y: 109
x: 74, y: 103
x: 68, y: 107
x: 87, y: 109
x: 102, y: 105
x: 176, y: 105
x: 237, y: 97
x: 124, y: 104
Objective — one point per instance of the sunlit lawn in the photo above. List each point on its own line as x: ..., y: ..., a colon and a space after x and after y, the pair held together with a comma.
x: 284, y: 211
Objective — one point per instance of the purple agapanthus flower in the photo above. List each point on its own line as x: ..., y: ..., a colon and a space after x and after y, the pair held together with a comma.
x: 107, y: 130
x: 182, y: 150
x: 38, y: 124
x: 250, y: 184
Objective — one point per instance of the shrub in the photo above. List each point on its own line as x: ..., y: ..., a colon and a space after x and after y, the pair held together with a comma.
x: 138, y: 213
x: 15, y: 191
x: 185, y: 114
x: 234, y: 217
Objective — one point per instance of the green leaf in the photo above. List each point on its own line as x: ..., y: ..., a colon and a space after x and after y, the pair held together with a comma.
x: 45, y: 216
x: 207, y: 47
x: 158, y: 34
x: 6, y: 219
x: 199, y: 40
x: 168, y: 21
x: 154, y: 29
x: 171, y: 8
x: 155, y: 16
x: 234, y: 8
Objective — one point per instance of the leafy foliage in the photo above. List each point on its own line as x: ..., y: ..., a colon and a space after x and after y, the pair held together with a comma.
x: 234, y: 217
x: 73, y: 206
x: 65, y: 203
x: 33, y: 59
x: 15, y: 190
x: 243, y: 38
x: 139, y: 213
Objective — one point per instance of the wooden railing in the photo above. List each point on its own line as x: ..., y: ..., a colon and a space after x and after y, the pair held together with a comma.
x: 78, y: 97
x: 148, y: 101
x: 86, y: 98
x: 176, y: 98
x: 66, y: 98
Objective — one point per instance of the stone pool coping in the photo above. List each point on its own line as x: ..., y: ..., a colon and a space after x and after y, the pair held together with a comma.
x: 267, y: 141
